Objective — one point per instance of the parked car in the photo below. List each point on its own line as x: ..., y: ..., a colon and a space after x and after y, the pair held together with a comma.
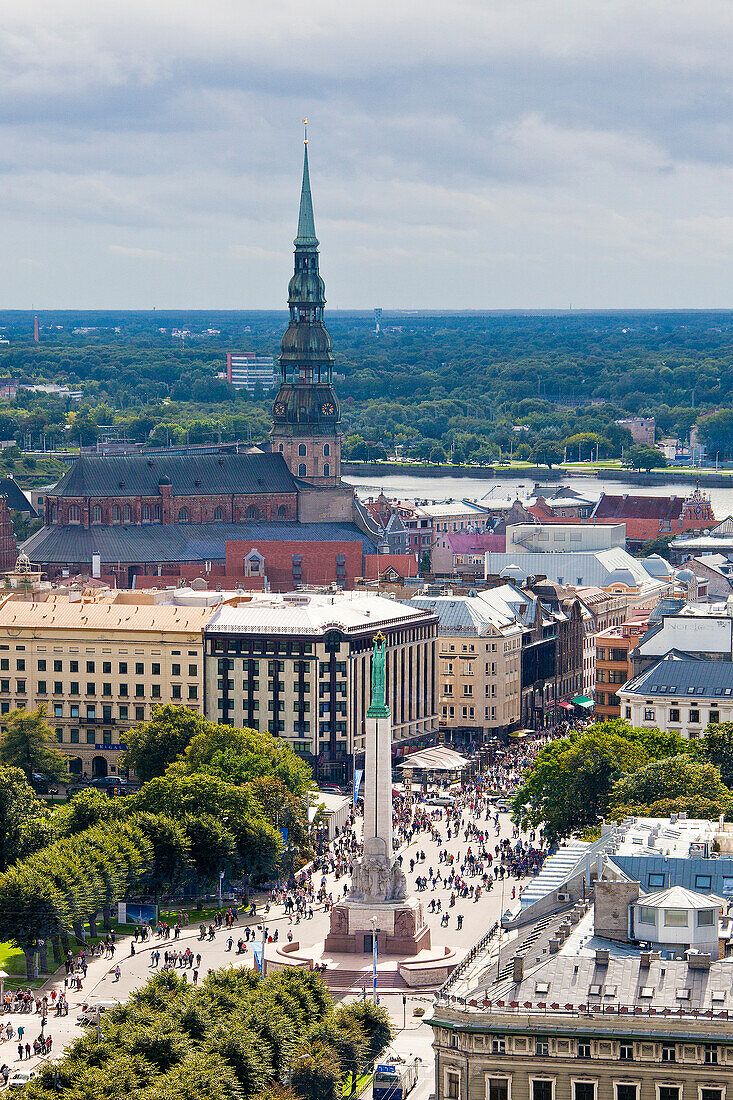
x: 41, y: 784
x: 21, y: 1077
x: 331, y: 788
x: 440, y: 800
x: 115, y: 783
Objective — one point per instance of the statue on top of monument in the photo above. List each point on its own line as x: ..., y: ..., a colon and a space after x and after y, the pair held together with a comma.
x: 378, y: 706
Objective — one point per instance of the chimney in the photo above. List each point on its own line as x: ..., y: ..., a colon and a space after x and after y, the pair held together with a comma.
x: 698, y: 960
x: 645, y: 959
x: 554, y: 945
x: 518, y: 968
x: 603, y: 956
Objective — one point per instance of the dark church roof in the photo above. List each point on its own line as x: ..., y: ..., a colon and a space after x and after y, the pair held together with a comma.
x: 15, y: 496
x: 140, y: 475
x: 175, y: 542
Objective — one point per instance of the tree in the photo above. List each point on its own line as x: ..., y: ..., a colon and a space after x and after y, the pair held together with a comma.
x: 547, y: 454
x: 717, y: 748
x: 316, y: 1074
x: 19, y: 809
x: 570, y: 785
x: 717, y: 432
x: 153, y: 745
x: 374, y: 1022
x: 641, y: 457
x: 240, y: 756
x: 28, y: 744
x: 675, y: 777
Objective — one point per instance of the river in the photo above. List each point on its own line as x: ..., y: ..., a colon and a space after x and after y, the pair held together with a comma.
x: 402, y: 486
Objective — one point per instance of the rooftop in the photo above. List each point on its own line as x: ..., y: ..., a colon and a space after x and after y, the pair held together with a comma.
x: 678, y: 674
x: 303, y: 613
x: 100, y: 613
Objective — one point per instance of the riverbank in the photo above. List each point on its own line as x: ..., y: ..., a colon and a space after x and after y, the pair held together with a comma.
x: 720, y: 479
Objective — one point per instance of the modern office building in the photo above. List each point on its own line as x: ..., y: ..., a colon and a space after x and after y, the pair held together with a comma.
x: 299, y: 665
x: 246, y: 371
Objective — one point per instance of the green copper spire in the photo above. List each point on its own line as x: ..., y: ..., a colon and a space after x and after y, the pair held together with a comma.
x: 306, y: 223
x: 378, y: 707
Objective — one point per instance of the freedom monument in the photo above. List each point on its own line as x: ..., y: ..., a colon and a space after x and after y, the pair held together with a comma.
x: 377, y: 904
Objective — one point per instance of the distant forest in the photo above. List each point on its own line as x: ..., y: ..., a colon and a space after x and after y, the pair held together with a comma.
x: 444, y: 387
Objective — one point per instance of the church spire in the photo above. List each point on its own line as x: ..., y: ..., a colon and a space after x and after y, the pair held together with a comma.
x: 306, y: 222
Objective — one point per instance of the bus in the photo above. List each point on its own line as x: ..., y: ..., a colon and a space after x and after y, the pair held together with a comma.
x: 394, y: 1079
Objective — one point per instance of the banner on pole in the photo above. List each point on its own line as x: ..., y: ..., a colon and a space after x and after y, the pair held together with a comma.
x: 358, y: 776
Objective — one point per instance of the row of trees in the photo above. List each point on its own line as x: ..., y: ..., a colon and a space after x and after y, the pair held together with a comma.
x: 231, y: 1038
x: 214, y: 799
x: 613, y: 769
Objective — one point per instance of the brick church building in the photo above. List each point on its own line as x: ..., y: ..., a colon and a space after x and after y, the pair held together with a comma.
x: 133, y: 518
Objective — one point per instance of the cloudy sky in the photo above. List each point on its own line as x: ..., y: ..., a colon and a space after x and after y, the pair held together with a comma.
x: 464, y: 154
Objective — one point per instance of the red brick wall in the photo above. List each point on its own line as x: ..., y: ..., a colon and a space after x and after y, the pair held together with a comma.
x: 318, y: 564
x: 201, y: 509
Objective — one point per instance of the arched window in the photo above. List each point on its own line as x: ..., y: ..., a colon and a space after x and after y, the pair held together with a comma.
x: 183, y: 515
x: 115, y: 514
x: 126, y: 514
x: 282, y: 512
x: 302, y: 450
x: 146, y: 513
x: 74, y: 514
x: 251, y: 512
x: 326, y: 470
x: 218, y: 514
x: 326, y: 449
x: 96, y: 514
x: 282, y: 447
x: 301, y: 470
x: 52, y: 514
x: 156, y: 513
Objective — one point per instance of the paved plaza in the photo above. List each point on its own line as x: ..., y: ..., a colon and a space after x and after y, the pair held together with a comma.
x: 413, y: 1037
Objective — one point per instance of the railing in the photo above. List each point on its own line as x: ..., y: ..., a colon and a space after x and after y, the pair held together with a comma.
x: 478, y: 948
x: 584, y: 1010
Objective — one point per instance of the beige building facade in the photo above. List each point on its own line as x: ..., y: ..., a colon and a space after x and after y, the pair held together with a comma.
x: 479, y: 660
x: 99, y: 663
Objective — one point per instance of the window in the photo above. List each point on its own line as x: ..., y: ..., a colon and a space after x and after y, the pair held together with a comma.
x: 122, y: 691
x: 176, y: 691
x: 675, y: 918
x: 498, y: 1089
x: 126, y: 514
x: 90, y: 666
x: 73, y: 666
x: 647, y: 915
x: 156, y: 668
x: 41, y: 687
x: 74, y: 687
x: 139, y: 691
x: 668, y: 1092
x: 115, y: 514
x: 656, y: 881
x: 175, y: 670
x: 74, y: 710
x: 326, y: 449
x: 302, y: 470
x: 714, y: 717
x: 649, y: 714
x: 91, y: 688
x: 498, y: 1044
x: 183, y: 515
x: 193, y: 670
x: 711, y: 1054
x: 73, y: 514
x: 96, y: 514
x: 452, y: 1086
x: 156, y: 513
x: 326, y: 469
x: 674, y: 714
x: 542, y: 1047
x: 669, y: 1053
x: 74, y: 736
x: 626, y: 1052
x: 58, y: 666
x: 58, y: 710
x: 542, y: 1090
x: 107, y: 667
x: 146, y: 513
x: 124, y: 710
x: 711, y: 1094
x: 302, y: 451
x: 626, y: 1092
x: 91, y: 712
x: 20, y: 665
x: 705, y: 918
x: 139, y: 668
x: 218, y: 514
x: 123, y: 668
x: 584, y: 1048
x: 107, y: 714
x: 156, y: 691
x: 695, y: 716
x: 584, y: 1090
x: 139, y: 714
x: 703, y: 882
x: 41, y: 666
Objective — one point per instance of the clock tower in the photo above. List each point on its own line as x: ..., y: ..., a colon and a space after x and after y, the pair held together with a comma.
x: 306, y: 413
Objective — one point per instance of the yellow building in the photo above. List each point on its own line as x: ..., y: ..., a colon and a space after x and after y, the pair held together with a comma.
x: 99, y: 662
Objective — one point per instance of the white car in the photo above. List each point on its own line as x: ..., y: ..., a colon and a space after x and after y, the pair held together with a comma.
x: 21, y: 1077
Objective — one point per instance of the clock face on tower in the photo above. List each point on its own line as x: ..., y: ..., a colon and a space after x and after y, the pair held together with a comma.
x: 328, y: 408
x: 279, y: 409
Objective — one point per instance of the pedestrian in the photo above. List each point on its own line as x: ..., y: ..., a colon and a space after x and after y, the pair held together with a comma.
x: 195, y: 977
x: 20, y: 1052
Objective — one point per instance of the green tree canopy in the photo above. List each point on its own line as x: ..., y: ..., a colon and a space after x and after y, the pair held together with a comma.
x: 675, y: 777
x: 153, y: 745
x: 240, y: 756
x: 20, y: 808
x: 641, y: 457
x: 29, y: 744
x: 717, y: 748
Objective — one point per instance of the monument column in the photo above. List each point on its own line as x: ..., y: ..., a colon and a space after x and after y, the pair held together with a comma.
x: 378, y: 762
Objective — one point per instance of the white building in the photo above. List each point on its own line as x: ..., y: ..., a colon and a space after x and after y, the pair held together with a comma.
x: 561, y: 538
x: 680, y: 694
x: 703, y: 630
x: 678, y: 919
x: 246, y: 370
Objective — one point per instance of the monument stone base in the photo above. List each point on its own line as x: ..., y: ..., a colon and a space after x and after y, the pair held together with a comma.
x: 400, y: 927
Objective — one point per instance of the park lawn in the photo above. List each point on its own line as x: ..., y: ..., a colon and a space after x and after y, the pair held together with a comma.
x: 362, y: 1082
x: 12, y: 959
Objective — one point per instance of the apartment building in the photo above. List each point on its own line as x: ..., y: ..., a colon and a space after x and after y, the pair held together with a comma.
x: 613, y: 665
x: 479, y: 662
x: 299, y: 665
x: 605, y: 610
x: 99, y: 663
x: 683, y: 695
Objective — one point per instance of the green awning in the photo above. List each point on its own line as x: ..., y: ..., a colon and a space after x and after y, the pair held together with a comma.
x: 584, y: 701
